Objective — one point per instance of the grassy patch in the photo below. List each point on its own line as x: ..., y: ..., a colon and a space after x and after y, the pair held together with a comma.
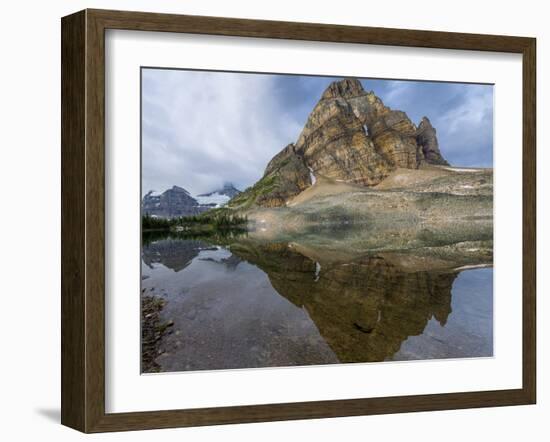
x: 250, y: 196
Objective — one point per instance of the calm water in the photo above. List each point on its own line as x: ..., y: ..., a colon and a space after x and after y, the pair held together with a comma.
x: 245, y: 304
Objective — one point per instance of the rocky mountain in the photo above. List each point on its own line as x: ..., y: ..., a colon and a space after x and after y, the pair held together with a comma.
x: 172, y: 203
x: 177, y: 201
x: 350, y: 137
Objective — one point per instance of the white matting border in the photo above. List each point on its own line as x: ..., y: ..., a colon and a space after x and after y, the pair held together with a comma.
x: 127, y: 390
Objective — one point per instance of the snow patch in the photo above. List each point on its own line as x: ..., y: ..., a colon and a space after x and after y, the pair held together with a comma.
x: 312, y: 176
x: 457, y: 169
x: 216, y: 198
x: 317, y: 271
x: 472, y: 266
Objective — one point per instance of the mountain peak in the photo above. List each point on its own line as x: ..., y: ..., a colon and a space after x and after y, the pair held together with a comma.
x: 173, y: 202
x: 346, y: 88
x: 219, y: 197
x: 229, y: 187
x: 350, y: 136
x: 426, y: 138
x: 425, y: 120
x: 179, y: 189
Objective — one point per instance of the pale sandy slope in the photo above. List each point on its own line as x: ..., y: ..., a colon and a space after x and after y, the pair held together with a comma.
x: 324, y: 187
x: 435, y: 178
x: 411, y: 178
x: 401, y: 177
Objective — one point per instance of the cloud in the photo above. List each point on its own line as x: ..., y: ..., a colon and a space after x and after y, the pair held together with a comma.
x: 201, y: 129
x: 467, y: 128
x: 396, y: 91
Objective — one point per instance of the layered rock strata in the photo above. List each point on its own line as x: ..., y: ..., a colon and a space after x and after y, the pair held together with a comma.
x: 351, y: 137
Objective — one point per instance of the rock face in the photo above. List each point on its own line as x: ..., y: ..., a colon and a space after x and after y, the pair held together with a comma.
x: 427, y: 139
x: 350, y: 136
x: 334, y: 144
x: 285, y: 176
x: 172, y: 203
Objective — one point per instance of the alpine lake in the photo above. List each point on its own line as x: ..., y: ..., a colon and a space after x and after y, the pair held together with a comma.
x: 241, y: 300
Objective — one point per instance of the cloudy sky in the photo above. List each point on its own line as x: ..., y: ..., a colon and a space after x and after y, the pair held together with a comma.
x: 202, y: 129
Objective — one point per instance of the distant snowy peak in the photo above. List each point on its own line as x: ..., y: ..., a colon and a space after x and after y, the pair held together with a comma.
x: 177, y: 201
x: 179, y: 190
x: 218, y: 197
x: 174, y: 189
x: 171, y: 203
x: 213, y: 198
x: 227, y: 190
x: 152, y: 194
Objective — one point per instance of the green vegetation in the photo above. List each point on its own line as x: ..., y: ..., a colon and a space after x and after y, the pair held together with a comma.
x: 213, y: 220
x: 149, y: 222
x: 251, y: 195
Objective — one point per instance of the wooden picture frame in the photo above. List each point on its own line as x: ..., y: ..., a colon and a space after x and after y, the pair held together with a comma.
x: 83, y: 219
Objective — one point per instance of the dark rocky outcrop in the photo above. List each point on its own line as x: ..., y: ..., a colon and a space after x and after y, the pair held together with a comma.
x: 427, y: 140
x: 153, y: 328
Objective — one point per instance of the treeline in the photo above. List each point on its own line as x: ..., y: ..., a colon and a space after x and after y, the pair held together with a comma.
x: 218, y: 221
x: 149, y: 222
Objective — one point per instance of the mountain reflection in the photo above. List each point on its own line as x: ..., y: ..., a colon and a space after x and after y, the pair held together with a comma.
x: 359, y: 308
x: 172, y: 253
x: 364, y: 309
x: 176, y: 252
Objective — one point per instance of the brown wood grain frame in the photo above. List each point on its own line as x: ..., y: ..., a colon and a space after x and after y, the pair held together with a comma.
x: 83, y: 219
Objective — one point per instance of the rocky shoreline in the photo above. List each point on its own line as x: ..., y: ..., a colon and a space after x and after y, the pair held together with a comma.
x: 153, y: 329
